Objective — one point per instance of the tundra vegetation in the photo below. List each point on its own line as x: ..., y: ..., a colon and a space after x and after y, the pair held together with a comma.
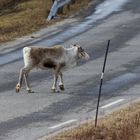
x: 120, y: 125
x: 21, y: 17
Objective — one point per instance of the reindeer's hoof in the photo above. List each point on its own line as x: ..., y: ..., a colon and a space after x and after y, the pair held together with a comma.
x: 30, y: 91
x: 17, y: 88
x: 61, y: 87
x: 55, y: 91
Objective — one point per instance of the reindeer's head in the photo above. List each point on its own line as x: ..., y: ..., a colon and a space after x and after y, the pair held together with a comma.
x: 81, y: 52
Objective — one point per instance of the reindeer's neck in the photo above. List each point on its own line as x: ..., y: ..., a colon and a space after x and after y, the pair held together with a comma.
x: 71, y: 56
x: 71, y: 53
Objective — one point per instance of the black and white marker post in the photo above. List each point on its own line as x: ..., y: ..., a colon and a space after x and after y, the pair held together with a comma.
x: 100, y: 89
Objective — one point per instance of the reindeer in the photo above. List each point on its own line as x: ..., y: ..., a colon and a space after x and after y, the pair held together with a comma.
x: 56, y: 58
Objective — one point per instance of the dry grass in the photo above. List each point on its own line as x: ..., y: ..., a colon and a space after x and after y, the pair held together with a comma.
x: 121, y: 125
x: 21, y: 17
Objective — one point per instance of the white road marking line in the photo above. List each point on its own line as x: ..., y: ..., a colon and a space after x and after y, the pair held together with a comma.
x: 113, y: 103
x: 62, y: 124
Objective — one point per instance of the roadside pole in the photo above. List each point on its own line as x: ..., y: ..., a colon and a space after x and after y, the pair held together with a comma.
x: 57, y: 5
x: 101, y: 83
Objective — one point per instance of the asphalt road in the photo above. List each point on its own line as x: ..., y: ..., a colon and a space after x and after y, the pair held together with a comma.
x: 30, y: 116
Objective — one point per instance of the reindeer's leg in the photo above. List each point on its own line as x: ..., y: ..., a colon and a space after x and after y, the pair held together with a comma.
x: 56, y: 74
x: 23, y: 71
x: 61, y: 83
x: 28, y: 87
x: 19, y: 84
x: 54, y: 87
